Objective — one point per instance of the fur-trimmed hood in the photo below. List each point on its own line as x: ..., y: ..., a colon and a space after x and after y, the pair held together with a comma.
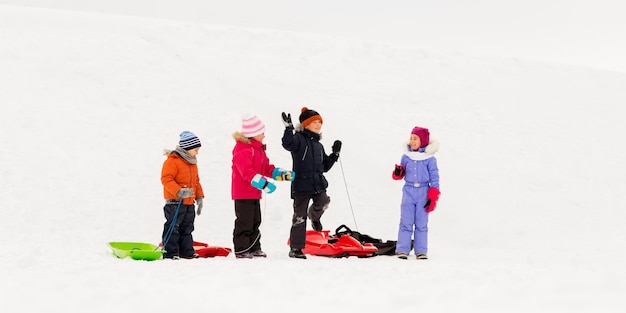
x: 298, y: 128
x: 238, y: 136
x: 423, y: 153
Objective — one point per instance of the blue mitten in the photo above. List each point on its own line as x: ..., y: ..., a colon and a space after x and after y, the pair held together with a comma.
x: 259, y: 182
x: 280, y: 174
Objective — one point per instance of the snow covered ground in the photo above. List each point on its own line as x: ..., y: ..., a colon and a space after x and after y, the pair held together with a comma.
x: 532, y: 177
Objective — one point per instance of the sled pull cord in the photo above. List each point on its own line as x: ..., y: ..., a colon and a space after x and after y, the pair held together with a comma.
x: 348, y: 193
x: 168, y: 234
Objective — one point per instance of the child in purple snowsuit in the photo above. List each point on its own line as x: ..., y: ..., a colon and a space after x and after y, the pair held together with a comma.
x: 418, y: 167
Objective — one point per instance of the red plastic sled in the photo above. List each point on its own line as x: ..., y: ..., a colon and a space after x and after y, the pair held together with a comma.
x: 338, y: 246
x: 206, y: 251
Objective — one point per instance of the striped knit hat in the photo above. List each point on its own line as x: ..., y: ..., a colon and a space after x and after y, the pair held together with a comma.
x: 189, y: 140
x: 251, y: 126
x: 308, y: 116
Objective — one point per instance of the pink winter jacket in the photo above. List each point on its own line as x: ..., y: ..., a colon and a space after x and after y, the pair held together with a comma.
x: 249, y: 159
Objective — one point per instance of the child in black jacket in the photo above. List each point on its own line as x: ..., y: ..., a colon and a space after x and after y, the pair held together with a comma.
x: 310, y: 162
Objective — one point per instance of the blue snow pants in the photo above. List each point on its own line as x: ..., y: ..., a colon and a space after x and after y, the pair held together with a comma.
x: 181, y: 240
x: 413, y: 220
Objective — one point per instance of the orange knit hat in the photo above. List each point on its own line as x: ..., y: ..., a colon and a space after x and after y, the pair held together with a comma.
x: 308, y: 116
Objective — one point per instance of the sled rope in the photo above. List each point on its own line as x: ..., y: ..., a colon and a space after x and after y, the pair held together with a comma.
x: 168, y: 234
x: 348, y: 193
x: 260, y: 228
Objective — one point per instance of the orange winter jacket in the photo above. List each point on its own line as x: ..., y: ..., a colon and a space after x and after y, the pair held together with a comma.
x: 177, y: 173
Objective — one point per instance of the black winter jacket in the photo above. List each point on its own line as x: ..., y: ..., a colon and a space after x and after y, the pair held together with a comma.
x: 310, y: 162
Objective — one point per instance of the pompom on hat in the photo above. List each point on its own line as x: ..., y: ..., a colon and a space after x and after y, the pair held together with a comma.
x: 251, y: 126
x: 189, y: 140
x: 308, y: 116
x: 423, y: 134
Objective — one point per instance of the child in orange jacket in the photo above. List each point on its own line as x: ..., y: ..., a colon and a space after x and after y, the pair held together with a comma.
x: 181, y: 188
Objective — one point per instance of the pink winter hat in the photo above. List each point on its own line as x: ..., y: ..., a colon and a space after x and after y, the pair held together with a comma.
x: 251, y: 126
x: 423, y: 134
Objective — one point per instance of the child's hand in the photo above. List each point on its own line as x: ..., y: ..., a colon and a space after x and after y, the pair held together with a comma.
x: 199, y: 202
x: 336, y: 147
x: 280, y: 174
x: 433, y: 196
x: 259, y: 182
x: 287, y: 121
x: 398, y: 172
x: 185, y: 192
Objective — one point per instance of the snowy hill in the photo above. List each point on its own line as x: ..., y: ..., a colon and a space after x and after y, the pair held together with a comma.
x: 530, y: 217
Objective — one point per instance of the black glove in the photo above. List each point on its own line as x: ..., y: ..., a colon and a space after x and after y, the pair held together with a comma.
x: 287, y: 121
x: 336, y: 150
x: 337, y: 147
x: 398, y: 171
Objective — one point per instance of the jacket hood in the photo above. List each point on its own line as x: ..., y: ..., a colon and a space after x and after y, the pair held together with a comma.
x: 300, y: 129
x: 238, y: 136
x: 423, y: 153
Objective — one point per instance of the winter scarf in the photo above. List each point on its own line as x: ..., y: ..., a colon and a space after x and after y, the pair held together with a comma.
x: 185, y: 155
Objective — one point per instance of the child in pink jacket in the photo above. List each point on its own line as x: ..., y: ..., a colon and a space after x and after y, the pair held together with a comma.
x: 250, y: 171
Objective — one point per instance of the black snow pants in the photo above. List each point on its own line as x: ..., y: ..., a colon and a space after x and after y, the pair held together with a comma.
x: 301, y: 210
x: 246, y: 234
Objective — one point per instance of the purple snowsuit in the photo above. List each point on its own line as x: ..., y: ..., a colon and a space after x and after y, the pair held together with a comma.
x: 421, y: 173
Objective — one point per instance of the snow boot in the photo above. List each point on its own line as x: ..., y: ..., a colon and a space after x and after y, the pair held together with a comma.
x: 259, y: 254
x: 317, y: 225
x: 244, y: 255
x: 193, y: 256
x: 297, y: 254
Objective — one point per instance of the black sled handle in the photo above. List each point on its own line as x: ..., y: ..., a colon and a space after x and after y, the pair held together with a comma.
x: 347, y: 232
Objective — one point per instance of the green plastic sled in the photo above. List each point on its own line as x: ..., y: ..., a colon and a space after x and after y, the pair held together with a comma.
x: 136, y: 250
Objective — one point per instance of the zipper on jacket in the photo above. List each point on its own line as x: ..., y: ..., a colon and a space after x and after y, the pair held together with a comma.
x: 305, y: 151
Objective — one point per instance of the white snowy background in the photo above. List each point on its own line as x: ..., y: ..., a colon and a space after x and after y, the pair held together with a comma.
x: 586, y: 33
x: 531, y: 216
